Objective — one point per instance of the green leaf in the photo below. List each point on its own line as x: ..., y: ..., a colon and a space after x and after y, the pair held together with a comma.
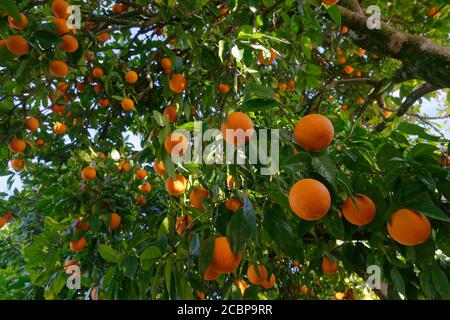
x: 129, y: 266
x: 221, y: 48
x: 108, y: 254
x: 335, y: 14
x: 259, y: 105
x: 313, y: 70
x: 256, y: 91
x: 398, y: 281
x: 149, y: 256
x: 249, y: 215
x: 238, y: 231
x: 416, y: 130
x: 206, y: 253
x: 168, y: 165
x: 11, y: 9
x: 440, y: 281
x: 443, y: 240
x: 429, y: 209
x: 326, y: 167
x: 160, y: 119
x: 426, y: 284
x: 334, y: 225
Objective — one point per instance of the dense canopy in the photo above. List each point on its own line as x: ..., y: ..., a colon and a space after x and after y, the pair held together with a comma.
x: 362, y: 180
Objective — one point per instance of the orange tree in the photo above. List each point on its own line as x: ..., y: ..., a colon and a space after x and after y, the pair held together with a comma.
x: 363, y: 176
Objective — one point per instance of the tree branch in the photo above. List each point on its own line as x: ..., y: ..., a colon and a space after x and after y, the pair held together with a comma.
x: 408, y: 102
x: 425, y: 59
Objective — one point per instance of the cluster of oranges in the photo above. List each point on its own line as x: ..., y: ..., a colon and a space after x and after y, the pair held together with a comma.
x: 5, y: 218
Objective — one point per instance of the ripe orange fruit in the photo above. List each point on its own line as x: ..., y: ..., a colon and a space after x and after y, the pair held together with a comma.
x: 142, y: 201
x: 159, y: 168
x: 255, y: 278
x: 177, y: 186
x: 242, y: 285
x: 360, y: 100
x: 348, y: 69
x: 88, y: 173
x: 339, y: 295
x: 177, y: 83
x: 224, y: 88
x: 69, y: 43
x: 362, y: 215
x: 98, y: 88
x: 176, y: 140
x: 68, y: 263
x: 233, y: 204
x: 8, y: 216
x: 17, y: 45
x: 433, y: 11
x: 291, y: 85
x: 408, y: 227
x: 97, y: 72
x: 59, y: 8
x: 58, y: 108
x: 344, y: 29
x: 140, y: 174
x: 266, y: 61
x: 210, y: 274
x: 17, y: 145
x: 61, y: 26
x: 123, y: 165
x: 230, y: 181
x: 238, y: 128
x: 283, y: 86
x: 78, y: 245
x: 2, y: 222
x: 344, y: 107
x: 131, y: 77
x: 309, y: 199
x: 223, y: 259
x: 269, y: 284
x: 2, y: 43
x: 82, y: 226
x: 145, y: 187
x: 166, y: 63
x: 342, y: 59
x: 81, y: 87
x: 60, y: 128
x: 328, y: 266
x: 118, y: 8
x: 127, y: 104
x: 196, y: 197
x: 304, y: 289
x: 114, y: 222
x: 387, y: 113
x: 40, y: 142
x: 62, y: 86
x: 16, y: 24
x: 330, y: 2
x: 223, y: 10
x: 184, y: 222
x: 103, y: 102
x: 170, y: 113
x: 200, y: 294
x: 314, y: 132
x: 103, y: 37
x: 58, y: 68
x: 361, y: 52
x: 17, y: 164
x: 358, y: 74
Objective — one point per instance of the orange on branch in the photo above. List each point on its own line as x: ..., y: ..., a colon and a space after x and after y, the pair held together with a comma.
x: 176, y: 142
x: 145, y: 187
x: 210, y: 274
x: 223, y: 259
x: 159, y: 168
x: 88, y: 173
x: 19, y: 25
x: 177, y: 83
x: 140, y: 174
x: 361, y: 215
x: 131, y: 77
x: 58, y: 68
x: 238, y: 128
x: 177, y: 186
x: 69, y: 43
x: 17, y: 45
x: 114, y: 221
x: 267, y: 60
x: 170, y: 113
x: 60, y: 8
x: 184, y: 224
x: 17, y: 145
x: 78, y: 245
x: 60, y: 128
x: 314, y: 132
x: 309, y: 199
x: 127, y: 104
x: 329, y: 267
x: 408, y: 227
x: 233, y: 204
x: 197, y: 196
x: 255, y: 278
x: 17, y: 164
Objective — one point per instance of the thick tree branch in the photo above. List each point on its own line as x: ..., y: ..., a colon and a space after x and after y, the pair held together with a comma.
x: 424, y: 58
x: 408, y: 102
